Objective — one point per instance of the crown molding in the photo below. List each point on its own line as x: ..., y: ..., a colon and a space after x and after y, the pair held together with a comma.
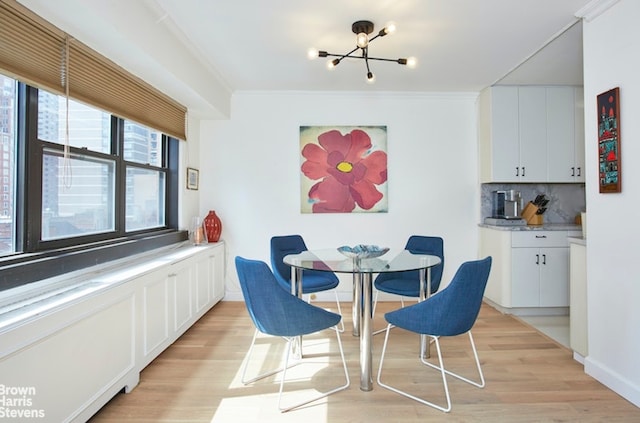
x: 594, y: 9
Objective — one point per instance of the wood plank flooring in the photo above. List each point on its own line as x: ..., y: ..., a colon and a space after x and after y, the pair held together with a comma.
x: 529, y: 378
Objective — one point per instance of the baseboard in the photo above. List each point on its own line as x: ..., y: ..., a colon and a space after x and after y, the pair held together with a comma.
x: 613, y: 380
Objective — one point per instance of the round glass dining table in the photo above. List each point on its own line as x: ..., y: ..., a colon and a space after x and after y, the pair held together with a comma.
x: 331, y: 260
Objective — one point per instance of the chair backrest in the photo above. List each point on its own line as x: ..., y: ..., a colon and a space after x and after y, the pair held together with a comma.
x: 273, y: 310
x: 280, y: 247
x: 460, y: 301
x: 419, y: 244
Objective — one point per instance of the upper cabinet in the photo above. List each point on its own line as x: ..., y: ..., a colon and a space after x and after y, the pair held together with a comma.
x: 531, y: 134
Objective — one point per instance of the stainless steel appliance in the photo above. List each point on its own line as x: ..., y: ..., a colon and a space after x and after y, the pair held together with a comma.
x: 506, y: 204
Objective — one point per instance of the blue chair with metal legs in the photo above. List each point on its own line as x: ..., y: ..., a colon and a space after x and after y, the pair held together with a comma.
x: 312, y: 280
x: 278, y: 313
x: 453, y: 311
x: 407, y: 284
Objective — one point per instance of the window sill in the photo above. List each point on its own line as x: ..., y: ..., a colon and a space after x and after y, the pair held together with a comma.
x: 26, y: 271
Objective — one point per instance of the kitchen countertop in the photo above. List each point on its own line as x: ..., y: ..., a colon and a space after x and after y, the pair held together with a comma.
x: 577, y: 240
x: 545, y: 227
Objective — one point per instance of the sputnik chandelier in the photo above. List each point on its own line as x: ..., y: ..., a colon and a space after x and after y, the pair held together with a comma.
x: 362, y: 29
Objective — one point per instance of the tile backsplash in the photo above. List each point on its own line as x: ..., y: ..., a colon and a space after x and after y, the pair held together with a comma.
x: 565, y: 200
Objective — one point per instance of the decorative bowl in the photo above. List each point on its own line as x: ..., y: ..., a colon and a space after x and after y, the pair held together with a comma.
x: 362, y: 251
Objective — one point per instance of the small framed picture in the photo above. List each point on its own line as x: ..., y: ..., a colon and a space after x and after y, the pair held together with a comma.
x: 192, y: 178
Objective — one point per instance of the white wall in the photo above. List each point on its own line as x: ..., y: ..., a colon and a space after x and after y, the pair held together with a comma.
x: 250, y: 173
x: 189, y: 200
x: 611, y: 43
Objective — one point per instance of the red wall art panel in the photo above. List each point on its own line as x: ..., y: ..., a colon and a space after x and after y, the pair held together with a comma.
x: 609, y: 140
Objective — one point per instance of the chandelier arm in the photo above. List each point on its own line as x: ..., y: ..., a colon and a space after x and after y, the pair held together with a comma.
x: 385, y: 60
x: 346, y: 56
x: 342, y: 56
x: 373, y: 38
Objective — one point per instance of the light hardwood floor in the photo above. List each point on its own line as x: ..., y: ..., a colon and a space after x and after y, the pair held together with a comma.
x: 529, y: 378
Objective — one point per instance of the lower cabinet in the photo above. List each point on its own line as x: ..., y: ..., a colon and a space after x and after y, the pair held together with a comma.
x: 175, y: 296
x: 96, y: 344
x: 540, y: 277
x: 530, y: 267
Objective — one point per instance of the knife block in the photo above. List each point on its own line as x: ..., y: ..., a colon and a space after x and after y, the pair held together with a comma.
x: 530, y: 214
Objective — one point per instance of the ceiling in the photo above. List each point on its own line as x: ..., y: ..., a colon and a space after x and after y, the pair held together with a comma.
x: 202, y: 51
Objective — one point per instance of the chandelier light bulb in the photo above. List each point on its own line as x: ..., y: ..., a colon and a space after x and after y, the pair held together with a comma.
x: 312, y: 53
x: 371, y: 78
x: 362, y: 40
x: 390, y: 28
x: 412, y: 62
x: 332, y: 63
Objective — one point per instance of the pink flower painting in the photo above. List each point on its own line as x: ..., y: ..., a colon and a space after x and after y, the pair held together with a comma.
x: 344, y: 169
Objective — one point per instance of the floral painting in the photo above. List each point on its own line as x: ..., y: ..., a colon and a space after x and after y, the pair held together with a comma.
x: 344, y: 169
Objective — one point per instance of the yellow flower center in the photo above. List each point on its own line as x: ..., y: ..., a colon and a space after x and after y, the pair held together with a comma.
x: 345, y: 167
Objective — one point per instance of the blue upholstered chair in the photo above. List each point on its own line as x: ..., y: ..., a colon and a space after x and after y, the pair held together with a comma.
x: 451, y: 312
x: 277, y: 313
x: 407, y: 284
x: 312, y: 280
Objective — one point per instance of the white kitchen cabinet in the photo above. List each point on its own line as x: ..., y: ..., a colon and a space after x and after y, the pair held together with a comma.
x: 531, y: 134
x: 565, y: 134
x: 530, y: 268
x: 498, y: 127
x: 540, y: 277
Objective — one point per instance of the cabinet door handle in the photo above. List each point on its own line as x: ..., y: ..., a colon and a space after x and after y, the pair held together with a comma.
x: 537, y: 258
x: 541, y: 236
x: 573, y: 171
x: 544, y: 259
x: 522, y: 170
x: 579, y: 171
x: 517, y: 171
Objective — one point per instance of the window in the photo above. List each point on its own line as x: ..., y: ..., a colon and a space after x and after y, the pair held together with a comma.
x: 8, y: 113
x: 87, y: 179
x: 78, y: 195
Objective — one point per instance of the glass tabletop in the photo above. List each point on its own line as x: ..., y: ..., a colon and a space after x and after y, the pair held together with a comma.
x: 331, y: 260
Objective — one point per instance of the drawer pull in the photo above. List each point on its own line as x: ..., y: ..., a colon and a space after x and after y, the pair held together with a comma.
x: 541, y: 236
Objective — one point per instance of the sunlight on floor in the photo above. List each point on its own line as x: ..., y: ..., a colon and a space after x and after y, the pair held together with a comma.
x: 303, y: 380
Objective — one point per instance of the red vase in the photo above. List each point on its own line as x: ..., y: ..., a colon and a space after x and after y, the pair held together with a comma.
x: 212, y: 226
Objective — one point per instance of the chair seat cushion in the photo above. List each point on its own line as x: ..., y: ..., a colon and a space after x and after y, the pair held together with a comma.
x: 313, y: 281
x: 404, y: 287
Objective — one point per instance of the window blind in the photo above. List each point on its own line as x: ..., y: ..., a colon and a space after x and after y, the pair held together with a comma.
x: 33, y: 51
